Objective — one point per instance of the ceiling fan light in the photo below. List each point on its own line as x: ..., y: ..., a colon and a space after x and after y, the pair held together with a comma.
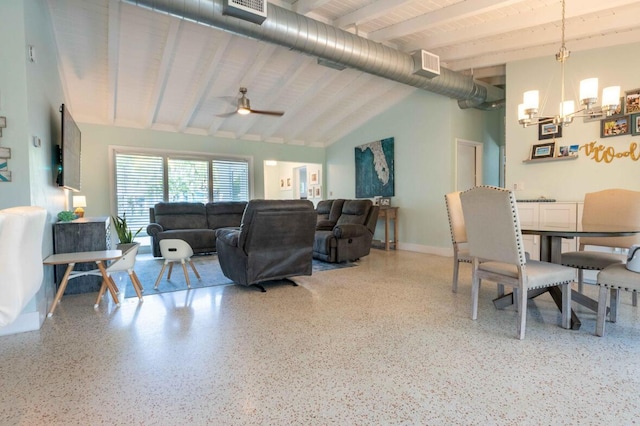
x: 243, y: 111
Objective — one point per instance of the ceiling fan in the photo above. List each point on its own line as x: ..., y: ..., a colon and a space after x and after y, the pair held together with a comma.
x: 244, y: 107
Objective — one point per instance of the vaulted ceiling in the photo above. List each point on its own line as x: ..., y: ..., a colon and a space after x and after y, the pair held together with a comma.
x: 130, y: 66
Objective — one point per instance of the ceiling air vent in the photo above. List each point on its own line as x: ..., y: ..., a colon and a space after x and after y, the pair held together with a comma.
x: 426, y: 64
x: 249, y: 10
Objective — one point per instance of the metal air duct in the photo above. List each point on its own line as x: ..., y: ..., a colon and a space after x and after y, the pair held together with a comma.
x: 306, y: 35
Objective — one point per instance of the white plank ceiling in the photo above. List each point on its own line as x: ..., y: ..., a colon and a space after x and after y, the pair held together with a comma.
x: 124, y: 65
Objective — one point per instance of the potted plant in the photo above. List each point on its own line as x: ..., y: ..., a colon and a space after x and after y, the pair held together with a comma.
x: 125, y: 235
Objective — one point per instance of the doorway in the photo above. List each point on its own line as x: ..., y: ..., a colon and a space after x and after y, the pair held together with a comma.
x: 468, y: 164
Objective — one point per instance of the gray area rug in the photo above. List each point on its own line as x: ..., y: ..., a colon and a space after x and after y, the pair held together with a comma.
x: 148, y: 268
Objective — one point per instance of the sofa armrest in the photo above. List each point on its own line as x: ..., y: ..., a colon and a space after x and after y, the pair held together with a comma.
x: 229, y: 236
x: 154, y: 229
x: 325, y: 225
x: 349, y: 231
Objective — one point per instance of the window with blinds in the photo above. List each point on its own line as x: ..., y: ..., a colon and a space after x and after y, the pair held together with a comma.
x: 143, y: 180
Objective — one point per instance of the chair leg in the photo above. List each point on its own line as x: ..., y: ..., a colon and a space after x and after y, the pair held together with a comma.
x: 522, y: 312
x: 186, y: 275
x: 136, y: 284
x: 454, y: 284
x: 475, y: 291
x: 500, y: 290
x: 634, y: 298
x: 164, y: 265
x: 602, y: 311
x: 566, y: 306
x: 614, y: 304
x: 580, y: 282
x: 170, y: 270
x: 194, y: 268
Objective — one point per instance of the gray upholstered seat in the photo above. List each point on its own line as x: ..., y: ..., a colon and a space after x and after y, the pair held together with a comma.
x: 344, y: 229
x: 273, y: 242
x: 612, y: 279
x: 493, y: 231
x: 608, y: 207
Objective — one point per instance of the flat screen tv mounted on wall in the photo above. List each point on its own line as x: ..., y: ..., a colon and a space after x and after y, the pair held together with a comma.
x: 69, y: 158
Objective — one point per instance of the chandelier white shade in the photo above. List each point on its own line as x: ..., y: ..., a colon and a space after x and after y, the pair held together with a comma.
x: 529, y: 108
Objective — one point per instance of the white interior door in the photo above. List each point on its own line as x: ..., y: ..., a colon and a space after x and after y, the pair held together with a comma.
x: 468, y: 164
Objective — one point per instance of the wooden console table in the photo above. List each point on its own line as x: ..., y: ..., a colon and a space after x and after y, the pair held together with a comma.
x: 388, y: 214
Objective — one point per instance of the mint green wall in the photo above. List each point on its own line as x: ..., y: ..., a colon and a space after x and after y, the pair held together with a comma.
x: 96, y: 164
x: 570, y: 180
x: 424, y: 126
x: 30, y: 95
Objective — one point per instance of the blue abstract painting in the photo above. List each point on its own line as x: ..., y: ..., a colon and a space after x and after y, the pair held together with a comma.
x: 374, y: 169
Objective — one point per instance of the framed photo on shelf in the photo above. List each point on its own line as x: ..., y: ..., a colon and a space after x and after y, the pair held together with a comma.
x: 632, y: 101
x: 543, y: 150
x: 385, y: 201
x: 549, y: 131
x: 635, y: 124
x: 615, y: 126
x: 563, y: 151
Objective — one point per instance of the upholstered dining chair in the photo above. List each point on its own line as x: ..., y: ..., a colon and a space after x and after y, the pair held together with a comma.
x: 493, y: 232
x: 174, y: 250
x: 612, y: 279
x: 458, y: 235
x: 608, y: 207
x: 124, y: 264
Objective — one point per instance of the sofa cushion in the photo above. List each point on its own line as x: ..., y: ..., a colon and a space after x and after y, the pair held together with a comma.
x: 200, y: 240
x: 354, y: 212
x: 224, y: 214
x: 181, y: 215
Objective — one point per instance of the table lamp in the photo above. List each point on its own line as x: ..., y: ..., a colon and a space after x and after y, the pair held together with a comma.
x: 79, y: 202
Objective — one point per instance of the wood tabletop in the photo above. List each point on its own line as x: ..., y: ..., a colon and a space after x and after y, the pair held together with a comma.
x: 83, y: 256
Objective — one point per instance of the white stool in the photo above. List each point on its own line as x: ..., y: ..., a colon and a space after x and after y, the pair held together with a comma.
x: 174, y: 250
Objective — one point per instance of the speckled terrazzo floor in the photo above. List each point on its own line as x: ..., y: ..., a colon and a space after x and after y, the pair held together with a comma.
x: 379, y: 344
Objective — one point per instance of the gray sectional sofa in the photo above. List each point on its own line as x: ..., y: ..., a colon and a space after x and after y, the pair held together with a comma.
x: 196, y: 223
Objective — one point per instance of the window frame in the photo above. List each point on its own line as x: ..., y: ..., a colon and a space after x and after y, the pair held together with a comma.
x: 174, y: 154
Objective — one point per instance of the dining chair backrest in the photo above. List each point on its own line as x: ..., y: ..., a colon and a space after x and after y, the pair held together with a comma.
x: 456, y: 218
x: 612, y: 207
x: 175, y: 249
x: 492, y: 224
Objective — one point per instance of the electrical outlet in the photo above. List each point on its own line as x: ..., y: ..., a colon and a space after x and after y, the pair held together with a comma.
x: 518, y: 186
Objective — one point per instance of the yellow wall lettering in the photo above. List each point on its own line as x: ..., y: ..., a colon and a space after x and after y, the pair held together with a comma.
x: 602, y: 153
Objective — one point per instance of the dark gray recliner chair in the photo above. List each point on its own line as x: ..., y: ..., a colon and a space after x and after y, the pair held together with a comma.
x: 275, y: 241
x: 348, y: 237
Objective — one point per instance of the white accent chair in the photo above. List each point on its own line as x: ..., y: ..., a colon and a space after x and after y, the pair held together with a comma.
x: 174, y: 250
x: 607, y: 207
x: 21, y: 269
x: 612, y: 279
x: 493, y: 231
x: 126, y: 263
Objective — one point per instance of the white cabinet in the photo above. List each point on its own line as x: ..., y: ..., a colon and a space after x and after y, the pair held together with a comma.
x: 563, y: 215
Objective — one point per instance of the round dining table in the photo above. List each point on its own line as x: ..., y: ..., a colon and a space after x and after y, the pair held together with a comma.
x: 551, y: 235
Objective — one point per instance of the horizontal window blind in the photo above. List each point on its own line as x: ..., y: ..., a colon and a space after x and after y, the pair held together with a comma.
x: 139, y: 185
x: 143, y: 180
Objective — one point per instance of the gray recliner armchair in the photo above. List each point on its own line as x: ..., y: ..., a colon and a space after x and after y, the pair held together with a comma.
x: 344, y: 229
x: 275, y: 241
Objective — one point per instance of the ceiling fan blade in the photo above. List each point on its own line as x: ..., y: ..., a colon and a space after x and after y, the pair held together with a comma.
x: 275, y: 113
x: 227, y: 114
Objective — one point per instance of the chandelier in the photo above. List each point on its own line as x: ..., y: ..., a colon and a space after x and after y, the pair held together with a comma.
x: 528, y: 110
